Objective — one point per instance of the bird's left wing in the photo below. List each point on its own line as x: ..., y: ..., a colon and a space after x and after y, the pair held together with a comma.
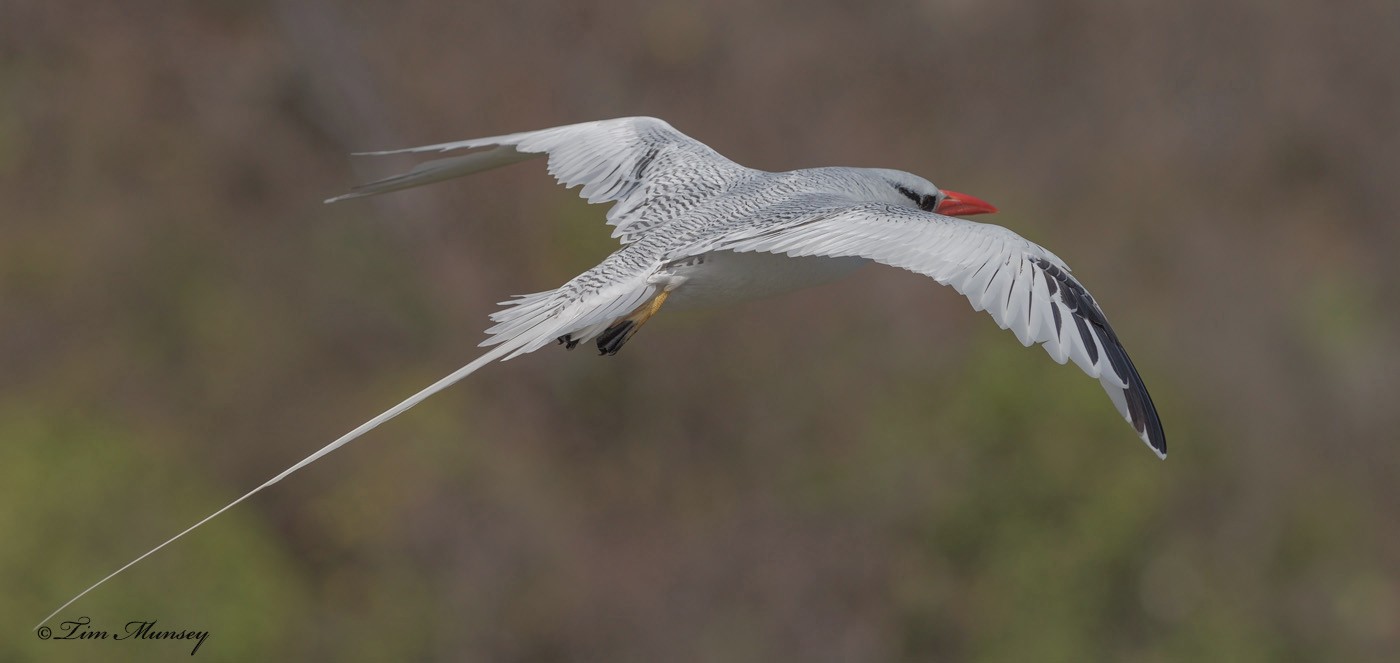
x: 1024, y: 287
x: 652, y: 171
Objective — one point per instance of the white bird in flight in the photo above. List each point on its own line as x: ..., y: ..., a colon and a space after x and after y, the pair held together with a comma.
x: 698, y: 229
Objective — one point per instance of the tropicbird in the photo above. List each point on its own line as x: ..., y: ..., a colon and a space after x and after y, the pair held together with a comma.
x: 698, y: 229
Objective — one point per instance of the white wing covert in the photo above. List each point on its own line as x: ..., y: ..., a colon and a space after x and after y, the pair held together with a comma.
x: 1024, y: 287
x: 652, y: 171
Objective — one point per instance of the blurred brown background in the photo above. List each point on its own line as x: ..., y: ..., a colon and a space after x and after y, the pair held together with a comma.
x: 862, y: 472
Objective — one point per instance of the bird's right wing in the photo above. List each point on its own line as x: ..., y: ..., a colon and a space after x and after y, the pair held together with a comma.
x: 652, y: 171
x: 1024, y: 287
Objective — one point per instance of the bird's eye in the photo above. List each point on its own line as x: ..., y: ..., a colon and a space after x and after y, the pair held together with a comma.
x: 928, y: 203
x: 909, y: 194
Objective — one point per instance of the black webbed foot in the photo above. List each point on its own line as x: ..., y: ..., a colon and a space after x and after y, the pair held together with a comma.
x: 613, y: 338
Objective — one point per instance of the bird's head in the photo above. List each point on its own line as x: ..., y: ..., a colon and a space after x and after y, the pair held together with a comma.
x: 915, y: 191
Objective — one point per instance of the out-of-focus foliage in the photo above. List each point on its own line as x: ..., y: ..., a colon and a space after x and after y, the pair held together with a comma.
x: 866, y: 471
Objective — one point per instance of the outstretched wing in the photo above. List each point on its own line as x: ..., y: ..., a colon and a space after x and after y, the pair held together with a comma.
x: 651, y: 171
x: 1024, y: 287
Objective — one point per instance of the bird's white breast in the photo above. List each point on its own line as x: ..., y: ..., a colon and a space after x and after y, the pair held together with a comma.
x: 723, y: 277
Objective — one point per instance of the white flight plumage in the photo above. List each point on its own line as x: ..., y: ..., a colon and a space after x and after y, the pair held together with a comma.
x: 699, y: 229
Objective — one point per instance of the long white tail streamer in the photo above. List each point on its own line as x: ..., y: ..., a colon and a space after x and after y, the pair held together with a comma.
x: 494, y: 354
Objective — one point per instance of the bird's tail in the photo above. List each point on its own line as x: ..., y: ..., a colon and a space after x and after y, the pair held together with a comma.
x: 490, y: 356
x: 614, y: 288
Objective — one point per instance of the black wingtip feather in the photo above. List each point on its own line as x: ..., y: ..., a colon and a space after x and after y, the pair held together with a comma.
x: 1140, y: 406
x: 1085, y: 312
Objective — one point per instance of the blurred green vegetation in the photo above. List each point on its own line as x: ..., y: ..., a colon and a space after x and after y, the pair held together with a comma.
x: 865, y: 471
x: 75, y: 476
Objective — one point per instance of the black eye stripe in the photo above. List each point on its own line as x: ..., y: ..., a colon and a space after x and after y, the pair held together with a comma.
x: 925, y: 202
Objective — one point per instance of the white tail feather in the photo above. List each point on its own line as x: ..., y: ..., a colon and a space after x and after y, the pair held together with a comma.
x: 492, y: 355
